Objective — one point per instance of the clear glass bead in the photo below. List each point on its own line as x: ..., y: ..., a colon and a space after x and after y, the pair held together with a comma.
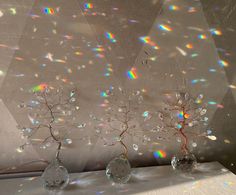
x: 184, y: 162
x: 119, y: 170
x: 55, y: 177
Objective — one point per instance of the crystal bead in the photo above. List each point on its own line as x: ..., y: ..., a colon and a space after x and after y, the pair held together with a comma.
x: 55, y: 177
x: 194, y: 144
x: 177, y: 95
x: 68, y: 141
x: 184, y: 162
x: 72, y: 99
x: 81, y: 125
x: 135, y: 147
x: 72, y: 93
x: 119, y: 170
x: 186, y: 96
x: 160, y: 115
x: 203, y: 111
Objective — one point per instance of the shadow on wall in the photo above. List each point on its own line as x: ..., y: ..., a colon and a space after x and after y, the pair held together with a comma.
x: 222, y: 15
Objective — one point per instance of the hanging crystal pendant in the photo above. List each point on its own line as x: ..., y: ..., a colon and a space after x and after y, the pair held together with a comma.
x: 184, y: 162
x: 119, y: 170
x: 55, y: 177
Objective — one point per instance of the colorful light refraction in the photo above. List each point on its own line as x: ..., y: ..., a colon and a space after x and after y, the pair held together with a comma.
x: 110, y: 36
x: 189, y: 46
x: 194, y: 81
x: 179, y: 126
x: 223, y: 63
x: 202, y: 36
x: 88, y: 5
x: 48, y: 11
x: 103, y: 94
x: 215, y: 32
x: 39, y: 88
x: 173, y: 8
x: 181, y: 115
x: 147, y: 40
x: 212, y: 103
x: 109, y: 70
x: 132, y: 74
x: 159, y: 154
x: 100, y: 49
x: 165, y: 28
x: 145, y: 114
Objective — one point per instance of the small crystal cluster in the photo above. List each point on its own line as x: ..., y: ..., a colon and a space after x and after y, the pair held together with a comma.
x: 182, y: 111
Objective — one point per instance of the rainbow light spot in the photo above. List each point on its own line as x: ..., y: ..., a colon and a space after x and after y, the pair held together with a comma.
x: 192, y: 9
x: 48, y: 11
x: 179, y: 126
x: 147, y: 40
x: 186, y: 115
x: 110, y: 36
x: 198, y: 101
x: 98, y: 49
x: 194, y: 81
x: 189, y: 46
x: 215, y: 32
x: 103, y: 94
x: 202, y: 36
x: 132, y: 74
x: 223, y: 63
x: 181, y: 115
x: 173, y: 8
x: 98, y: 55
x: 212, y: 103
x: 109, y: 70
x: 165, y: 28
x: 145, y: 114
x: 40, y: 87
x: 88, y: 5
x: 159, y: 154
x: 106, y: 93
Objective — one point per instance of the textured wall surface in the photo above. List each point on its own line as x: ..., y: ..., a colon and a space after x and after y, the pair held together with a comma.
x: 93, y: 46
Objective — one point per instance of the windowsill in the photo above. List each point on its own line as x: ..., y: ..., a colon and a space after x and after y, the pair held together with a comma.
x: 209, y: 178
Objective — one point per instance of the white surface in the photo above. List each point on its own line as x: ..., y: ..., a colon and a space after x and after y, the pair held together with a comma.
x: 208, y: 179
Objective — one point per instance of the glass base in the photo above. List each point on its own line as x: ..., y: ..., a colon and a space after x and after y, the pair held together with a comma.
x: 119, y: 170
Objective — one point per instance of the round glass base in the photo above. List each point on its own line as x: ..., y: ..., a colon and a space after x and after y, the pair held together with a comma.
x: 119, y: 170
x: 55, y: 177
x: 184, y: 162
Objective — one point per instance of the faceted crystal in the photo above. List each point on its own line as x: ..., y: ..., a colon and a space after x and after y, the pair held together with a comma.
x: 119, y: 170
x: 203, y: 111
x: 135, y: 147
x: 184, y: 162
x: 55, y: 176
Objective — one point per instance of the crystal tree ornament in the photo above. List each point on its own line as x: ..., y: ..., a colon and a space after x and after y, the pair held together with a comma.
x: 53, y: 111
x: 182, y: 114
x: 120, y: 122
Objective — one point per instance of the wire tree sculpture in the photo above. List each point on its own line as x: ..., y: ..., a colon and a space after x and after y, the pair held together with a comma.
x: 182, y: 114
x: 122, y: 120
x: 52, y: 109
